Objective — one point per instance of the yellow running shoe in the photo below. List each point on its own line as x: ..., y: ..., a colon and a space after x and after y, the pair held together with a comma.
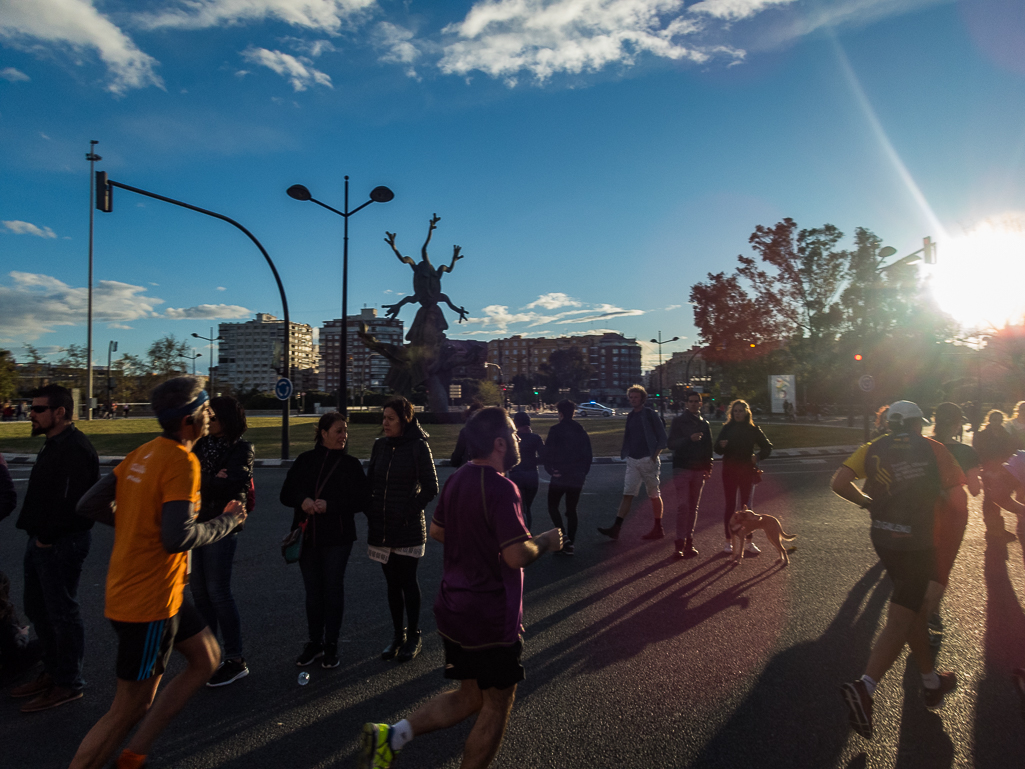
x: 375, y: 749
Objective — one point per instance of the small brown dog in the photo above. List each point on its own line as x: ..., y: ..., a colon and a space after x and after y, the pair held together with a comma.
x: 745, y: 521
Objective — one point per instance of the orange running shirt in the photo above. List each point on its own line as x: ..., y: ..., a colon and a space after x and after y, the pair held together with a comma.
x: 144, y: 581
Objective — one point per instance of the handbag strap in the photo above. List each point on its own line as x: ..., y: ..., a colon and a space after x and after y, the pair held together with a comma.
x: 322, y: 483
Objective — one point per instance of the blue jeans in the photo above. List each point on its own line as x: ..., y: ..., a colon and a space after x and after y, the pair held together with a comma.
x: 211, y: 590
x: 323, y: 571
x: 51, y: 602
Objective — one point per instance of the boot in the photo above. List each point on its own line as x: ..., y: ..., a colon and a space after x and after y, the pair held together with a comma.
x: 656, y: 531
x: 411, y: 647
x: 393, y: 648
x: 612, y: 531
x: 688, y: 548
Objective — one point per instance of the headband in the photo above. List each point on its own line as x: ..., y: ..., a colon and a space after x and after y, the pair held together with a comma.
x: 183, y: 411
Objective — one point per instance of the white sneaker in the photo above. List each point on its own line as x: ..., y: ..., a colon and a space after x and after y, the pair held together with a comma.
x: 751, y: 548
x: 729, y: 548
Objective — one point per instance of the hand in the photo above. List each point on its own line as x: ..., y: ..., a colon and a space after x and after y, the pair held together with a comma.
x: 309, y: 506
x: 556, y: 475
x: 320, y: 506
x: 554, y: 539
x: 223, y: 473
x: 40, y: 544
x: 695, y: 437
x: 236, y: 508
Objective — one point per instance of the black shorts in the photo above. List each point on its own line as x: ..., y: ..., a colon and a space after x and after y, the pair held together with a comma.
x: 911, y: 572
x: 143, y: 648
x: 495, y: 668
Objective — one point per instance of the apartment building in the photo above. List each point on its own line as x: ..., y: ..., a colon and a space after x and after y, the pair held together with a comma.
x: 250, y: 354
x: 367, y: 369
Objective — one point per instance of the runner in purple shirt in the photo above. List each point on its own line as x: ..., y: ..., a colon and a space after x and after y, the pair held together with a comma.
x: 480, y: 604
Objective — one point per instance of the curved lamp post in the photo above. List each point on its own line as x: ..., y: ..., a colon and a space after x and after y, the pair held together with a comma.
x: 661, y: 384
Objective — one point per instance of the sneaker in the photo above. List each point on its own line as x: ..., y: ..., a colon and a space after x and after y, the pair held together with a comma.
x: 41, y: 684
x: 312, y: 651
x: 612, y: 532
x: 375, y: 751
x: 936, y: 622
x: 567, y: 548
x: 411, y: 647
x: 228, y: 672
x: 54, y: 696
x: 330, y: 657
x: 689, y: 551
x: 728, y: 548
x: 751, y: 548
x: 393, y: 648
x: 656, y: 532
x: 859, y: 707
x: 1018, y: 679
x: 934, y: 697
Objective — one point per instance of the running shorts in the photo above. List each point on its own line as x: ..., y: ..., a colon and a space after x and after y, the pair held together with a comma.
x: 497, y: 667
x: 911, y: 571
x: 143, y: 648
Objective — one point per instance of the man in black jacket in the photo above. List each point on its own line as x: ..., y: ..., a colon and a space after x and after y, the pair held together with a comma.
x: 66, y: 467
x: 567, y: 459
x: 690, y: 439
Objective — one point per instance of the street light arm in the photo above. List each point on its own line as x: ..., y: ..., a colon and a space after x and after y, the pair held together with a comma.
x: 333, y: 210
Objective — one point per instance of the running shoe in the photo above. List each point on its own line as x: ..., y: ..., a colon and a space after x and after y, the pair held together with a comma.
x: 567, y: 548
x: 934, y: 697
x: 312, y: 651
x: 229, y: 672
x: 728, y: 548
x: 859, y: 707
x: 375, y: 750
x: 751, y: 548
x: 330, y: 657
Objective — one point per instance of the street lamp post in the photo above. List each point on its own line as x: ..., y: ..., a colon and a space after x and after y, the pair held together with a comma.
x: 92, y: 157
x: 210, y: 363
x: 661, y: 383
x: 111, y: 348
x: 377, y: 195
x: 193, y: 359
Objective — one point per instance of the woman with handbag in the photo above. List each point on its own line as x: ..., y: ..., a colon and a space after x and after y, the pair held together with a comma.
x: 736, y: 443
x: 325, y: 487
x: 226, y: 462
x: 403, y: 481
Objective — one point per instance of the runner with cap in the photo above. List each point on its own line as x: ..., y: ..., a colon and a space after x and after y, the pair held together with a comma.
x: 906, y: 475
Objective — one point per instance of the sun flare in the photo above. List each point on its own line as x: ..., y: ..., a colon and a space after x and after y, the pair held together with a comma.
x: 977, y: 277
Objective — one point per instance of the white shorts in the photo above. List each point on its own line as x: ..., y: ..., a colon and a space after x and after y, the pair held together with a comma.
x: 638, y: 470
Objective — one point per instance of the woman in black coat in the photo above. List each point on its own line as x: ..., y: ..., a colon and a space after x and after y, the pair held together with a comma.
x: 325, y: 488
x: 403, y: 482
x: 226, y: 462
x: 736, y: 443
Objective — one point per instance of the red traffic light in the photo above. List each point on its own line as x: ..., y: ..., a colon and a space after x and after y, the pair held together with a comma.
x: 857, y: 356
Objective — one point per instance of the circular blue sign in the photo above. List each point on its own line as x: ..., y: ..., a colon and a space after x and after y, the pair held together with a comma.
x: 283, y: 389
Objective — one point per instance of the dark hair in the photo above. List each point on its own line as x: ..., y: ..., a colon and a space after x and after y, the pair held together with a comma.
x: 472, y: 409
x: 325, y: 423
x: 403, y: 408
x: 993, y: 414
x: 171, y: 395
x: 947, y: 421
x: 567, y: 408
x: 521, y: 419
x: 231, y: 415
x: 686, y: 395
x: 637, y: 389
x: 57, y: 397
x: 483, y: 428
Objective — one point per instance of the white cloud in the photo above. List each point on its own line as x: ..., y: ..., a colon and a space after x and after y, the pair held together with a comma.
x: 312, y: 48
x: 672, y: 307
x: 734, y: 9
x: 27, y: 228
x: 398, y: 46
x: 604, y: 312
x: 208, y: 311
x: 221, y: 288
x: 119, y: 325
x: 498, y: 317
x: 553, y: 301
x: 12, y: 75
x: 299, y: 71
x: 35, y: 304
x: 324, y: 15
x: 78, y: 26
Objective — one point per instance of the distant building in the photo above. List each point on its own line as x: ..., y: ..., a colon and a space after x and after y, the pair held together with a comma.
x: 250, y: 355
x: 687, y: 367
x: 366, y: 369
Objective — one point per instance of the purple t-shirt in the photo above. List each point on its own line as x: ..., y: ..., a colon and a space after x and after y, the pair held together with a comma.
x: 480, y: 602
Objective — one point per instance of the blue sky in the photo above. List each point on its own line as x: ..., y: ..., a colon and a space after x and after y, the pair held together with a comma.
x: 593, y: 158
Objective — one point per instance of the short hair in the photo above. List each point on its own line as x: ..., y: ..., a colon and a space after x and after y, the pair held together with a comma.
x: 472, y: 409
x: 637, y: 389
x: 521, y: 419
x: 993, y: 414
x: 403, y: 408
x: 325, y: 423
x: 171, y: 395
x: 947, y: 420
x: 483, y: 428
x: 687, y: 395
x: 567, y: 408
x: 232, y: 416
x: 57, y: 397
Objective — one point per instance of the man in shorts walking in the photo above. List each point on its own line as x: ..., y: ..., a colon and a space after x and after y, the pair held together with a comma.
x: 643, y: 440
x: 906, y: 475
x: 156, y: 495
x: 479, y: 608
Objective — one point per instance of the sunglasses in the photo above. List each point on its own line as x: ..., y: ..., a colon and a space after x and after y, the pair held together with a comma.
x: 40, y: 409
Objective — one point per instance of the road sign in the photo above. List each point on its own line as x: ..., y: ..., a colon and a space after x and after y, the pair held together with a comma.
x: 283, y: 389
x: 867, y: 384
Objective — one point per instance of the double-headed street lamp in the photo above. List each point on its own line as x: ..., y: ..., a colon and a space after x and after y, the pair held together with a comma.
x: 210, y: 368
x: 659, y: 342
x: 193, y: 359
x: 377, y: 195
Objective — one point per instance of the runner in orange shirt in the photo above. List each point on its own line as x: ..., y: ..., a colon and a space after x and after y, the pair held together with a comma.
x: 155, y: 497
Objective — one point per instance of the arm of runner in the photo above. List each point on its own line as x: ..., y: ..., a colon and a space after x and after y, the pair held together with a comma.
x: 98, y: 502
x: 437, y: 533
x: 522, y: 554
x: 843, y: 486
x: 180, y: 532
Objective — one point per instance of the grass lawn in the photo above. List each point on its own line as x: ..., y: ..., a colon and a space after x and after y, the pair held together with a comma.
x: 118, y: 437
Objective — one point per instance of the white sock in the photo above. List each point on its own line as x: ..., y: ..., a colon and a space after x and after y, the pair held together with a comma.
x: 931, y: 680
x: 870, y: 685
x: 401, y: 733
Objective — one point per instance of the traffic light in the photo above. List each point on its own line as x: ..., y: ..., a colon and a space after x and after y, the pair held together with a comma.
x: 104, y: 193
x: 928, y: 250
x: 857, y: 357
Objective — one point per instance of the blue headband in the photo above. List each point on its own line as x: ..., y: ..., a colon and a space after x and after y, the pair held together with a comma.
x: 183, y: 411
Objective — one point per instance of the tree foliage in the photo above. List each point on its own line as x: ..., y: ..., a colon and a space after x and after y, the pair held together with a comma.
x: 8, y: 376
x: 164, y: 356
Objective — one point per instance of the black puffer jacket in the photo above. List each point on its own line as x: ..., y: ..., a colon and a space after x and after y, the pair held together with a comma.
x: 403, y: 481
x: 344, y: 488
x: 216, y: 492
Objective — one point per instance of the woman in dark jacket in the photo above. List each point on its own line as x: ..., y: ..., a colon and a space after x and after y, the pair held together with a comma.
x: 403, y: 482
x: 736, y: 443
x: 226, y: 462
x: 567, y: 459
x: 325, y: 488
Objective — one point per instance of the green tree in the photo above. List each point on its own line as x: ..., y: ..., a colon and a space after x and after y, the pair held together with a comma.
x: 489, y: 393
x: 164, y: 356
x: 566, y: 368
x: 8, y: 376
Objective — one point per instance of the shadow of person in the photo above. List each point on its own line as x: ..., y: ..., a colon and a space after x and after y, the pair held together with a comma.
x: 923, y: 742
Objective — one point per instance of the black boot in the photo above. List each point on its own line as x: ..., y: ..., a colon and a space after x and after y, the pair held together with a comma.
x: 612, y: 531
x: 688, y: 548
x: 393, y: 648
x: 411, y: 647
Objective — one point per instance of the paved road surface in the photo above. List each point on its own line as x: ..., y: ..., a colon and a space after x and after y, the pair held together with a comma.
x: 633, y: 659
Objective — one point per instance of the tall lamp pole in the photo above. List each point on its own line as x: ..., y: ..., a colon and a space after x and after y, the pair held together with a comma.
x: 111, y: 348
x: 92, y: 157
x: 210, y: 363
x: 193, y: 359
x: 661, y: 383
x: 377, y: 195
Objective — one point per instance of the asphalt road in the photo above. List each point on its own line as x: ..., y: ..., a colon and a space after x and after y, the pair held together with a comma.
x: 633, y: 659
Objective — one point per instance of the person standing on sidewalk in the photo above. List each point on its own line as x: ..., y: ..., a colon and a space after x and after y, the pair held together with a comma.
x: 690, y: 440
x: 907, y: 475
x: 736, y: 443
x: 994, y: 445
x: 524, y: 475
x: 155, y: 493
x: 643, y: 440
x: 567, y: 460
x: 59, y: 540
x: 479, y: 608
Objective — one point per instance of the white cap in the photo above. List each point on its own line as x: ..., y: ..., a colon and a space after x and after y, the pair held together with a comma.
x: 1016, y: 466
x: 905, y: 411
